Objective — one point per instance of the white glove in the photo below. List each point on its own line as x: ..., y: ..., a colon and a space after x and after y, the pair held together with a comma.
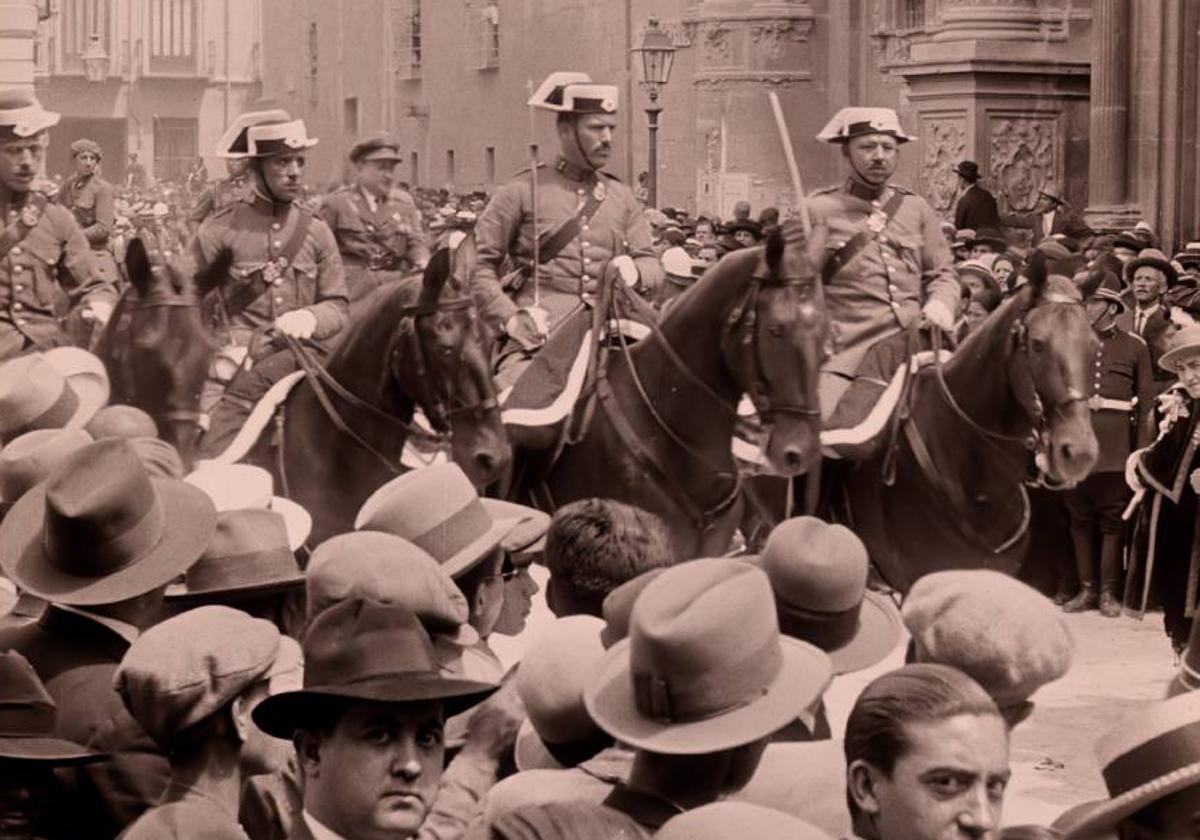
x: 625, y: 266
x: 1195, y: 478
x: 938, y: 314
x: 1131, y: 476
x: 298, y: 324
x: 98, y: 310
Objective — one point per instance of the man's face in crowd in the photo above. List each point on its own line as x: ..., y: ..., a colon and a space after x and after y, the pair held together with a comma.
x: 873, y: 157
x: 741, y: 210
x: 20, y: 160
x: 745, y: 238
x: 705, y: 234
x: 591, y: 135
x: 981, y: 250
x: 1188, y: 369
x: 23, y: 789
x: 85, y: 163
x: 284, y: 176
x: 376, y: 176
x: 948, y: 785
x: 1148, y: 285
x: 489, y: 597
x: 1175, y: 817
x: 376, y: 775
x: 707, y: 255
x: 519, y: 589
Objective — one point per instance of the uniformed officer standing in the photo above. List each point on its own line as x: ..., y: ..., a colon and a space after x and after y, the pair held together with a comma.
x: 91, y: 199
x: 45, y: 262
x: 236, y: 187
x: 286, y: 276
x: 374, y: 233
x: 1122, y: 403
x: 584, y: 218
x: 888, y: 264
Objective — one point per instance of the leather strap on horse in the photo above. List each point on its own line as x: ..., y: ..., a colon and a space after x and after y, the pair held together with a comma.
x: 236, y: 297
x: 840, y: 258
x: 15, y: 234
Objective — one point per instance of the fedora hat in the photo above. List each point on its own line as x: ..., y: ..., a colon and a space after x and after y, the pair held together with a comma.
x: 1152, y: 753
x: 365, y: 650
x: 1153, y: 258
x: 101, y: 530
x: 35, y: 395
x: 247, y: 555
x: 27, y: 719
x: 1186, y: 342
x: 31, y: 458
x: 705, y: 667
x: 87, y: 376
x: 968, y: 169
x: 438, y: 509
x: 122, y: 421
x: 246, y: 487
x: 617, y: 607
x: 818, y: 573
x: 1189, y: 257
x: 723, y: 820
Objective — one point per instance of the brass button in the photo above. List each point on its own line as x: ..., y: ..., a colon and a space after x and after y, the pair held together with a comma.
x: 278, y: 299
x: 16, y: 250
x: 18, y: 287
x: 21, y: 322
x: 18, y: 306
x: 275, y: 226
x: 277, y: 244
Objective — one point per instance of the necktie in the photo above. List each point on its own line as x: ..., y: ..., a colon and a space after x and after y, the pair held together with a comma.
x: 1141, y: 322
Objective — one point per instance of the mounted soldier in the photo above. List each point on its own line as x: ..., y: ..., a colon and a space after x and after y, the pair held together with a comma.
x: 377, y: 236
x: 91, y: 198
x: 46, y: 264
x: 888, y: 268
x: 236, y: 187
x: 287, y: 275
x: 585, y: 220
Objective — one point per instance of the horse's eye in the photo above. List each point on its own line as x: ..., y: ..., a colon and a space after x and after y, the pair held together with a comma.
x: 776, y: 330
x: 1037, y: 345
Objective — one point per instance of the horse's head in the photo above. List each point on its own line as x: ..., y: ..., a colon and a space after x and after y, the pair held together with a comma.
x: 169, y: 349
x: 774, y: 344
x: 448, y: 367
x: 1054, y: 355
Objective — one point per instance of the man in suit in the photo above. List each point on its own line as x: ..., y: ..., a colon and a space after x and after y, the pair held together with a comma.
x: 1149, y: 275
x: 100, y: 541
x: 976, y: 207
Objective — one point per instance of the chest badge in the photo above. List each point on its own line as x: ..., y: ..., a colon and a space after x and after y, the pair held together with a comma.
x: 30, y: 215
x: 274, y: 269
x: 877, y: 221
x: 599, y: 191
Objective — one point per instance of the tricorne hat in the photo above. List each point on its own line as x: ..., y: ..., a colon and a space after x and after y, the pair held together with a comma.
x: 818, y: 573
x: 379, y: 146
x: 704, y: 668
x: 247, y: 487
x: 1184, y: 343
x: 31, y: 458
x: 438, y: 509
x: 27, y: 719
x: 100, y: 530
x: 1153, y: 258
x: 856, y: 121
x: 1152, y: 753
x: 83, y: 144
x: 247, y: 555
x: 565, y: 92
x: 264, y: 134
x: 968, y: 169
x: 22, y: 116
x: 364, y: 650
x: 35, y: 395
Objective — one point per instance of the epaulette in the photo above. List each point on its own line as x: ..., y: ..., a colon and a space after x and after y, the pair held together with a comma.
x: 527, y: 169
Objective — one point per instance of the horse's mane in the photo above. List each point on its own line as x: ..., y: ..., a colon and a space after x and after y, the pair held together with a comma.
x: 373, y: 319
x: 999, y: 324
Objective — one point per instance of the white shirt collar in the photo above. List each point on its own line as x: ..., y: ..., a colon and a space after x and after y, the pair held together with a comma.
x: 126, y: 631
x: 1148, y: 311
x: 317, y: 829
x: 372, y: 201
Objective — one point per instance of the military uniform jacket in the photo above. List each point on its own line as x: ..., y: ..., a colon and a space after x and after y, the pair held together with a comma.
x: 1122, y: 374
x: 45, y: 275
x: 1167, y: 463
x: 91, y: 199
x: 1157, y: 323
x: 381, y: 237
x: 257, y: 232
x: 881, y: 290
x: 505, y: 230
x: 219, y: 196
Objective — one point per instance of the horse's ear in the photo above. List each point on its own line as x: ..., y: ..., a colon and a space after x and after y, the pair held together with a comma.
x: 215, y: 273
x: 138, y: 265
x: 1087, y: 282
x: 465, y: 255
x: 437, y: 272
x: 1037, y: 270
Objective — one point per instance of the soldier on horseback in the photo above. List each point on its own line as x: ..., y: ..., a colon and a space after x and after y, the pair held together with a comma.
x: 887, y: 268
x: 91, y: 198
x: 287, y: 275
x: 584, y: 219
x: 46, y: 265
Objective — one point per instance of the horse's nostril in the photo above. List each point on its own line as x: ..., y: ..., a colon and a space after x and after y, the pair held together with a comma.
x: 485, y: 462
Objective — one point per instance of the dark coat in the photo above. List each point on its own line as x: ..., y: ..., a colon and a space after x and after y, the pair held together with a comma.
x: 976, y: 209
x: 76, y: 659
x: 1156, y: 325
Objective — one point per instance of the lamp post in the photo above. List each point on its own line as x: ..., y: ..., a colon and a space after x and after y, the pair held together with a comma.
x: 658, y: 56
x: 95, y: 60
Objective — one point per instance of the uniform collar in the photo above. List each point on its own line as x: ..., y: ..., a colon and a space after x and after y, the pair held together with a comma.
x: 266, y: 203
x: 859, y: 188
x: 317, y: 829
x: 573, y: 171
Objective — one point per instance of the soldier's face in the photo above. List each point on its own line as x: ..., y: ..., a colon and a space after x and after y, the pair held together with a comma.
x: 284, y: 176
x: 376, y: 176
x: 20, y: 161
x: 588, y: 139
x: 236, y: 166
x: 1148, y: 284
x: 873, y: 157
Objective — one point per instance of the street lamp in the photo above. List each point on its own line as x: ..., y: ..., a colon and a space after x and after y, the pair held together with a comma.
x: 95, y: 60
x: 658, y: 56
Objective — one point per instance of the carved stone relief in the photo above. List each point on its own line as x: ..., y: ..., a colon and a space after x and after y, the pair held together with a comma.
x: 714, y: 37
x: 1023, y: 159
x: 770, y: 37
x: 945, y: 142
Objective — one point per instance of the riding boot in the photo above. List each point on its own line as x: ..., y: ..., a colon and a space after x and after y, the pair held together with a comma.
x: 1110, y: 575
x: 1084, y: 540
x: 1068, y: 578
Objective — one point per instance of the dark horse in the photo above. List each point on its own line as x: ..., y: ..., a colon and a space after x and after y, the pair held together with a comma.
x: 156, y: 347
x: 660, y: 435
x: 414, y: 341
x: 1013, y: 395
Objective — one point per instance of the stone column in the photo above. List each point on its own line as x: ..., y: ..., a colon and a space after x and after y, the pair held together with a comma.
x: 1108, y: 207
x: 17, y: 36
x: 983, y: 20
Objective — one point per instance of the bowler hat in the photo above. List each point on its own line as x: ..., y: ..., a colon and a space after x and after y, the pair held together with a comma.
x: 704, y: 667
x: 992, y: 237
x: 100, y: 530
x: 1189, y: 257
x: 31, y: 458
x: 1184, y: 343
x: 818, y: 573
x: 1155, y: 259
x: 968, y: 169
x: 730, y: 819
x: 1152, y: 753
x: 87, y: 376
x: 365, y: 650
x: 745, y: 225
x: 438, y: 509
x: 121, y: 421
x: 35, y: 395
x: 379, y: 146
x: 247, y: 555
x: 27, y: 718
x: 246, y: 487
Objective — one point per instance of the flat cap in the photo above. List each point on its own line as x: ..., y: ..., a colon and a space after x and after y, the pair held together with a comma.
x: 379, y: 146
x: 183, y: 671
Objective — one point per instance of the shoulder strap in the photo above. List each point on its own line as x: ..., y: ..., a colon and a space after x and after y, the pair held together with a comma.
x: 237, y: 297
x: 842, y: 257
x: 551, y: 243
x: 15, y: 233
